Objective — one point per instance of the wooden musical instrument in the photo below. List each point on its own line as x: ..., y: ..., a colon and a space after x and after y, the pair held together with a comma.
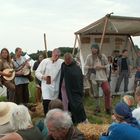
x: 26, y: 72
x: 22, y: 67
x: 6, y: 71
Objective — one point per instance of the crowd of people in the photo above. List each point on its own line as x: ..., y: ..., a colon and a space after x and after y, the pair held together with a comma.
x: 60, y: 88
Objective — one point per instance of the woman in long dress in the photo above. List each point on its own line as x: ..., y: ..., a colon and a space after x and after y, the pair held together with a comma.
x: 7, y: 74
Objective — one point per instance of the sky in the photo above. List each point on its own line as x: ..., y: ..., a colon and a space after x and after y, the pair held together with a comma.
x: 24, y: 22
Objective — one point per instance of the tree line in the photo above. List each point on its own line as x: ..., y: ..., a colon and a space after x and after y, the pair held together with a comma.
x: 63, y: 50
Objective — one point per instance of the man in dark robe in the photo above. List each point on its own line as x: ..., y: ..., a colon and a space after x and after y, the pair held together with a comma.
x: 71, y: 89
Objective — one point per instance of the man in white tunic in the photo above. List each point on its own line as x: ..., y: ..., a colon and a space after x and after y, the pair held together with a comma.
x: 48, y: 72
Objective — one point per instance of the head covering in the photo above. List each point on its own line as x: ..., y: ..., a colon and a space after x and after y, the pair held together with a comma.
x: 123, y: 110
x: 5, y: 111
x: 95, y: 46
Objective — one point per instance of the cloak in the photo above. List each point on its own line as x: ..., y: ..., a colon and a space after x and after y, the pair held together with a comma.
x: 73, y: 79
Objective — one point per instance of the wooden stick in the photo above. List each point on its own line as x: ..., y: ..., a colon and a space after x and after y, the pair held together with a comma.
x: 132, y: 46
x: 45, y: 45
x: 105, y: 27
x: 104, y: 30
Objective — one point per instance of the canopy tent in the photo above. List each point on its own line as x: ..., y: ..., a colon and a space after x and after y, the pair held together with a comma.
x: 118, y: 25
x: 111, y: 33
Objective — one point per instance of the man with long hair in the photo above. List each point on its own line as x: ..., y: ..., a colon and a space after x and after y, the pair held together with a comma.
x: 95, y: 65
x: 7, y: 64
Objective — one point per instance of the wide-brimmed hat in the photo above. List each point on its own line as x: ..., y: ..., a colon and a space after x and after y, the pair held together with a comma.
x: 5, y: 111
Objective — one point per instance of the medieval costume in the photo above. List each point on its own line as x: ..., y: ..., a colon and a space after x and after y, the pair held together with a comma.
x: 71, y: 91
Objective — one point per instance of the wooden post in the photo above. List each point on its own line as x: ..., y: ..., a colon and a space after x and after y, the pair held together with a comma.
x: 74, y: 45
x: 132, y: 46
x: 45, y: 45
x: 104, y: 30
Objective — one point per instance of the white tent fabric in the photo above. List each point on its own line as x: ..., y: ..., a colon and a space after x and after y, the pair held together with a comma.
x: 31, y: 62
x: 116, y: 25
x: 118, y: 32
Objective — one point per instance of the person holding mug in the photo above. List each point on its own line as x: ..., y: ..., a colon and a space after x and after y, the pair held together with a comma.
x: 48, y: 72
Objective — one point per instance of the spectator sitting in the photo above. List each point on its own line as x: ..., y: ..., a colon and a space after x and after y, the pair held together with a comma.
x: 57, y: 103
x: 60, y: 126
x: 122, y: 131
x: 5, y: 113
x: 124, y: 127
x: 123, y: 114
x: 21, y: 122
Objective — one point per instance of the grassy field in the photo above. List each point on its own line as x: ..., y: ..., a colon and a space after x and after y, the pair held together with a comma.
x: 102, y: 117
x: 89, y: 104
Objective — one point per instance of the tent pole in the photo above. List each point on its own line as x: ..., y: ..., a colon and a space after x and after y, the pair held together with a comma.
x: 79, y: 41
x: 45, y: 45
x: 74, y: 45
x: 132, y: 45
x: 104, y: 30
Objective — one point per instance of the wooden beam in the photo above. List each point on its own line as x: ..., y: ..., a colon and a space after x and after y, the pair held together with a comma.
x: 45, y: 44
x: 74, y: 45
x: 104, y: 31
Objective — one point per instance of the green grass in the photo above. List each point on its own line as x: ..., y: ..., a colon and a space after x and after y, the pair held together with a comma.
x: 89, y: 104
x: 32, y: 90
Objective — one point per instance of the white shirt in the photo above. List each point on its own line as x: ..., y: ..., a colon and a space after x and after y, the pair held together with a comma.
x: 93, y: 62
x: 48, y: 68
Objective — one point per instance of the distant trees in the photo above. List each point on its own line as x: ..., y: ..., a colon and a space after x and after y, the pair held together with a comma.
x: 34, y: 56
x: 62, y: 49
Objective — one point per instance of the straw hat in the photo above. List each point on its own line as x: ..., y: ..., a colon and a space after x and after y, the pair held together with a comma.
x: 5, y: 111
